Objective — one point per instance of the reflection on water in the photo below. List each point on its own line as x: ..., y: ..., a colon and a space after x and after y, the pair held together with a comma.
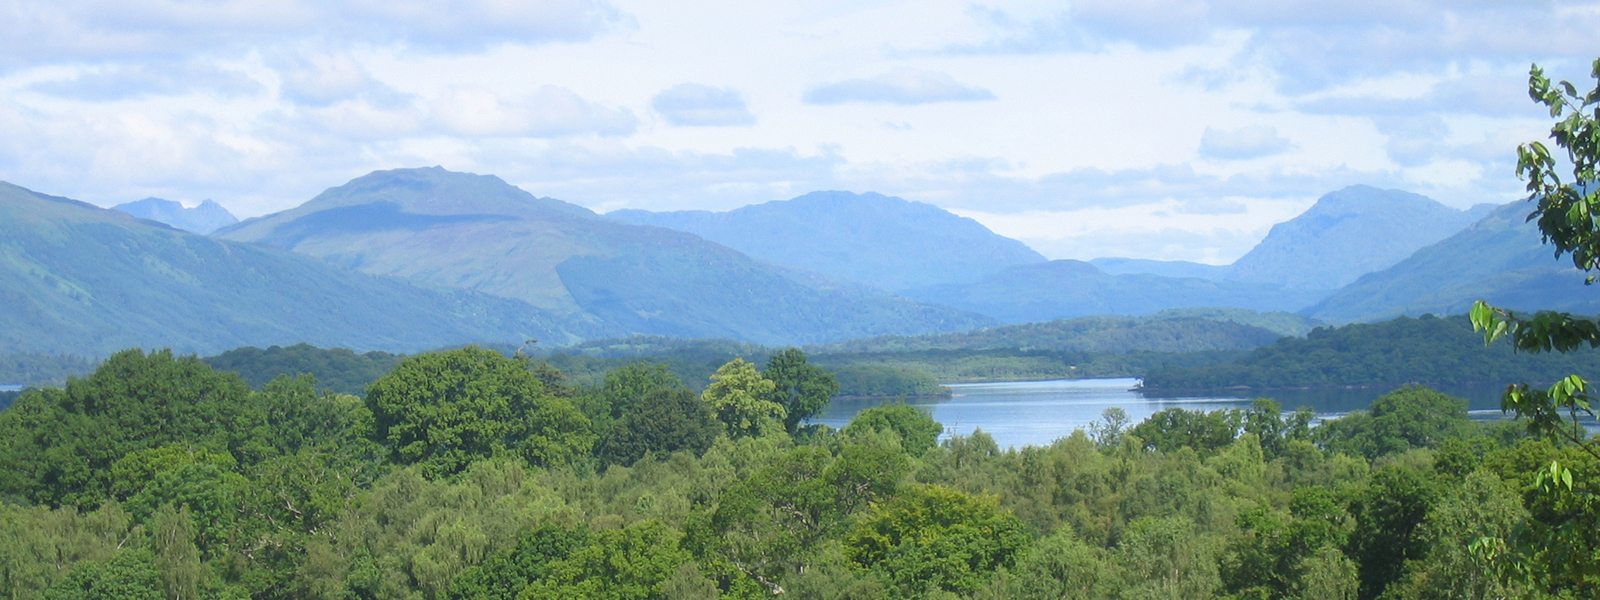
x: 1038, y: 412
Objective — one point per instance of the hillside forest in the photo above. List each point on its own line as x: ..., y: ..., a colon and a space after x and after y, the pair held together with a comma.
x: 468, y: 474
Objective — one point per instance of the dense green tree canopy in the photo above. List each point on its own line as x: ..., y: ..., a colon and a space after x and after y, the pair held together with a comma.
x: 932, y: 537
x: 337, y: 369
x: 742, y: 400
x: 801, y: 388
x: 1429, y: 350
x: 1410, y: 417
x: 300, y: 497
x: 661, y: 420
x: 917, y: 431
x: 445, y: 409
x: 61, y: 443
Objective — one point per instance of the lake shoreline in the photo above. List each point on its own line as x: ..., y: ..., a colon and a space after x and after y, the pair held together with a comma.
x: 1162, y: 392
x: 895, y: 397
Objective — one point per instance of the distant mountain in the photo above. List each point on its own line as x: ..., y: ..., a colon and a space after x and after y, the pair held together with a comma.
x: 1169, y: 331
x: 882, y: 240
x: 1164, y: 268
x: 479, y: 233
x: 77, y: 279
x: 203, y: 219
x: 1062, y: 289
x: 1349, y: 233
x: 1501, y: 259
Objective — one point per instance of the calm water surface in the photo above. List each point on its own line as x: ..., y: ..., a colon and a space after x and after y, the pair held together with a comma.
x: 1038, y: 412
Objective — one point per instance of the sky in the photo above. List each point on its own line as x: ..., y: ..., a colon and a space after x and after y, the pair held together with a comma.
x: 1163, y: 129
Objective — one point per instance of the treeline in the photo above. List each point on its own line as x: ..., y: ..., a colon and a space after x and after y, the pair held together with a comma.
x: 692, y: 362
x: 467, y: 474
x: 338, y: 369
x: 1427, y: 350
x: 1013, y: 364
x: 886, y: 381
x: 1188, y: 330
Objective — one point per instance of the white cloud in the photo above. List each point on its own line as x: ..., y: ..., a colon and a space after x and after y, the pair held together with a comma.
x: 324, y: 78
x: 698, y: 105
x: 1097, y: 114
x: 1254, y: 141
x: 157, y: 78
x: 549, y: 112
x: 1308, y: 45
x: 51, y: 31
x: 1494, y: 94
x: 900, y: 86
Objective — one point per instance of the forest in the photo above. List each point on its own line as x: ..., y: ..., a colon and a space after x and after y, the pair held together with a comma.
x: 1427, y: 349
x: 470, y: 474
x: 691, y: 362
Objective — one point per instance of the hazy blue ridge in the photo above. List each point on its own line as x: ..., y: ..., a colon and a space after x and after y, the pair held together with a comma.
x: 1063, y: 289
x: 203, y: 219
x: 43, y: 368
x: 882, y: 240
x: 1426, y: 350
x: 1501, y: 259
x: 1346, y: 234
x: 77, y: 279
x: 478, y: 233
x: 1164, y: 268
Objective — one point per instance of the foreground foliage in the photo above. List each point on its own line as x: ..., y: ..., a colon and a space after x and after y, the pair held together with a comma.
x: 157, y: 477
x: 1560, y: 545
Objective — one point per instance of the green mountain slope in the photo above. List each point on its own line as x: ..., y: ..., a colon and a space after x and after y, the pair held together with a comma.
x: 1063, y: 289
x: 886, y: 241
x: 1501, y: 259
x: 1427, y: 350
x: 1348, y: 233
x: 77, y: 279
x: 479, y: 233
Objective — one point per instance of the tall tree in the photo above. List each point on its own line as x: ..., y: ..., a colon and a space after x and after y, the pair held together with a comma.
x: 801, y: 388
x: 741, y: 398
x: 446, y: 409
x: 918, y: 432
x: 663, y: 420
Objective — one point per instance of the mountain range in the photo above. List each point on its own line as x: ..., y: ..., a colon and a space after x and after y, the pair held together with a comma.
x: 78, y: 279
x: 478, y: 233
x: 1063, y: 289
x: 929, y: 255
x: 1501, y: 259
x: 886, y: 241
x: 410, y: 259
x: 1347, y: 233
x: 203, y: 219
